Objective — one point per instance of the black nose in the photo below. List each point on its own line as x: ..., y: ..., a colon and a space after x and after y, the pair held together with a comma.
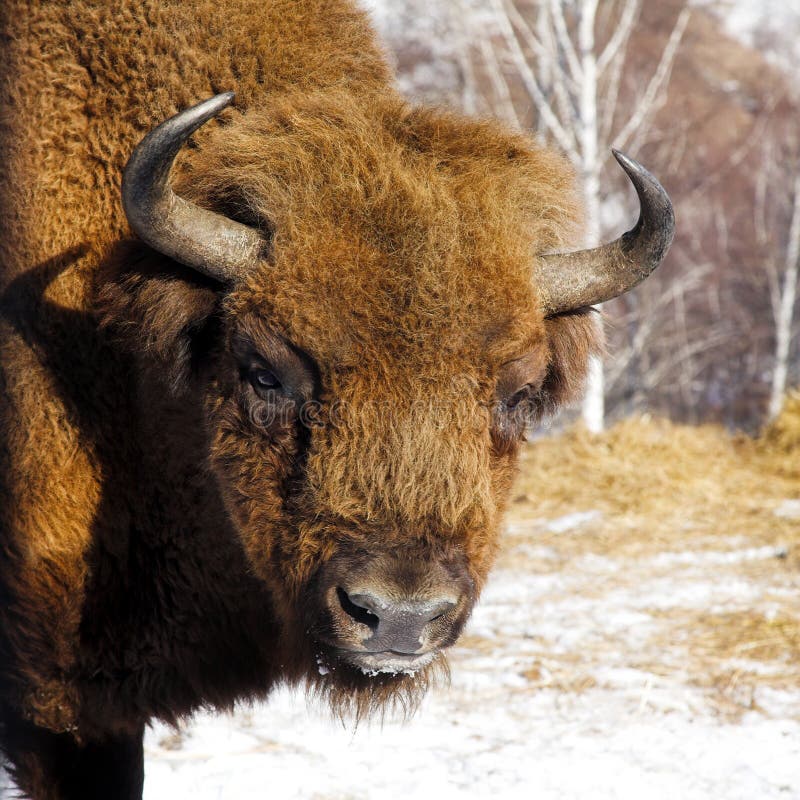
x: 398, y: 626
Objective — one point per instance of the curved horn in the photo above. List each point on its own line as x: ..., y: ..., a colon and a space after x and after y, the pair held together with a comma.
x: 586, y: 277
x: 211, y: 243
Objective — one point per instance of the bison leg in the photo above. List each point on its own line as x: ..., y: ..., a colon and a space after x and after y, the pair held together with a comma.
x: 52, y: 766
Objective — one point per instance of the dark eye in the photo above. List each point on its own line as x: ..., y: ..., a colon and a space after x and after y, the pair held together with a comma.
x: 518, y: 397
x: 264, y: 380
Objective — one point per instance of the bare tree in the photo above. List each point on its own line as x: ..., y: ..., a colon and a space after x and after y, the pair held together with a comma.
x: 774, y: 204
x: 571, y: 72
x: 678, y: 344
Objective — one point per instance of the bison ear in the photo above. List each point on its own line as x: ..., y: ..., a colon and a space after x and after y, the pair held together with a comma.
x: 573, y: 338
x: 165, y: 315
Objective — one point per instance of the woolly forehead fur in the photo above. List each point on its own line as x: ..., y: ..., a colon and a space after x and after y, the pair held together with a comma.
x: 401, y: 239
x: 401, y: 251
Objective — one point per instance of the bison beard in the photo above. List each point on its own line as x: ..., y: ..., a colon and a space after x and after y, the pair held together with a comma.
x: 263, y: 428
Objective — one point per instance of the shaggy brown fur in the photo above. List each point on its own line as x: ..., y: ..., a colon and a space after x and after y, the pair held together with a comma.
x: 166, y: 532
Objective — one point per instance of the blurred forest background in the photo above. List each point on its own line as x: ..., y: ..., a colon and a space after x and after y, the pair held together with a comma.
x: 706, y: 94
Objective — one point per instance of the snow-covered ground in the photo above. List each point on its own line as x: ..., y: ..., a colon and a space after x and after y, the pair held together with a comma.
x: 573, y: 681
x: 490, y: 737
x: 577, y: 679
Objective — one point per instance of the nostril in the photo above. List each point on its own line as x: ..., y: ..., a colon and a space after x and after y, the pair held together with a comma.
x: 357, y: 612
x: 438, y: 610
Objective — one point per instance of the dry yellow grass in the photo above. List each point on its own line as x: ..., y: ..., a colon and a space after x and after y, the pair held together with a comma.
x: 750, y: 635
x: 780, y: 440
x: 680, y: 503
x: 664, y: 484
x: 731, y: 654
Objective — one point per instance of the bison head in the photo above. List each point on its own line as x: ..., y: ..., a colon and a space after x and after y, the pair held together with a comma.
x: 389, y: 318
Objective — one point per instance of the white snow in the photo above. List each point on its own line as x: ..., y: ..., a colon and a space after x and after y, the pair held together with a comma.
x: 558, y: 693
x: 570, y: 521
x: 322, y: 667
x: 594, y: 745
x: 712, y: 557
x: 788, y: 509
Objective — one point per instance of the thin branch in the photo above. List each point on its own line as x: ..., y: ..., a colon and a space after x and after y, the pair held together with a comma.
x: 650, y: 321
x: 469, y: 94
x: 499, y: 83
x: 735, y: 159
x: 565, y: 138
x: 612, y: 88
x: 564, y: 40
x: 610, y: 99
x: 545, y: 50
x: 659, y: 79
x: 620, y: 36
x: 531, y: 39
x: 564, y: 89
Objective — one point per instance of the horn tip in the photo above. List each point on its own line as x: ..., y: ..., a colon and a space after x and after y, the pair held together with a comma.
x: 216, y: 103
x: 626, y: 162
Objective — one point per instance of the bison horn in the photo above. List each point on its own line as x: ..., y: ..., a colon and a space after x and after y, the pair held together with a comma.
x: 573, y: 280
x: 211, y: 243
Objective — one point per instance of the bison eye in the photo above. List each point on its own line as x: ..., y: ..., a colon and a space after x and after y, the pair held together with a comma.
x: 519, y: 397
x: 512, y: 415
x: 264, y: 380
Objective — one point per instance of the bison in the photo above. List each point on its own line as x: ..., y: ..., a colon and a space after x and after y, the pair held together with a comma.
x: 264, y: 367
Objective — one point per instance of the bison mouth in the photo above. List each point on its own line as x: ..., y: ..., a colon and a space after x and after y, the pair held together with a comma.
x: 387, y: 662
x: 362, y: 684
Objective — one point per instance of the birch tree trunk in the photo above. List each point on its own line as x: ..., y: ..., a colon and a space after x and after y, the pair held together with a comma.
x: 784, y: 315
x: 593, y: 410
x: 570, y: 79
